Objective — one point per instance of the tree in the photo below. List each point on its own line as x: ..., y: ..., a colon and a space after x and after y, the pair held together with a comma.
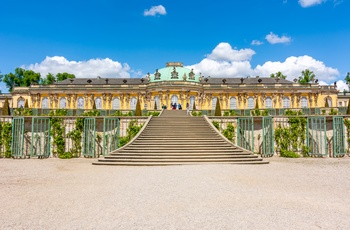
x: 306, y: 76
x: 217, y: 108
x: 49, y: 80
x: 21, y: 77
x: 347, y: 79
x: 6, y: 108
x: 64, y: 76
x: 326, y: 104
x: 348, y: 110
x: 278, y: 74
x: 138, y: 108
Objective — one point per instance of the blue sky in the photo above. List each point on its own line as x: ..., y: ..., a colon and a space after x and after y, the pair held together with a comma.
x: 112, y: 38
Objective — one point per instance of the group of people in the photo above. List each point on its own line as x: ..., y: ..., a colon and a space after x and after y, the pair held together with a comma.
x: 175, y: 106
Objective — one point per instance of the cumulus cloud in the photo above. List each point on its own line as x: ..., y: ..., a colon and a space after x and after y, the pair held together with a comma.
x: 309, y: 3
x: 275, y: 39
x: 257, y: 43
x: 155, y: 10
x: 341, y: 86
x: 82, y: 69
x: 224, y: 52
x: 215, y: 65
x: 293, y: 66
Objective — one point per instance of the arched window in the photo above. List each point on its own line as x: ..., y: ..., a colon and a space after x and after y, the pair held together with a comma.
x: 98, y: 103
x: 250, y: 103
x: 133, y: 102
x: 45, y: 103
x: 116, y: 103
x: 192, y: 100
x: 233, y: 103
x: 213, y: 105
x: 329, y: 101
x: 286, y: 102
x: 156, y: 102
x: 303, y: 102
x: 62, y: 103
x: 80, y: 103
x: 174, y: 99
x: 20, y: 103
x: 268, y: 103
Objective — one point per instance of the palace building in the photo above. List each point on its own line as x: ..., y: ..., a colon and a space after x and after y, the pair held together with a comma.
x: 175, y: 84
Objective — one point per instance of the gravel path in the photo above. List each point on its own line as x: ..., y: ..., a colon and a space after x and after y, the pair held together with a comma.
x: 73, y: 194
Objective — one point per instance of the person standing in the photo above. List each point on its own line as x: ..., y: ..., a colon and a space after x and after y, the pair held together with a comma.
x: 188, y: 109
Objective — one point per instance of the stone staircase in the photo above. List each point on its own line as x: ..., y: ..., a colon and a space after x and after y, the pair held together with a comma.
x: 175, y: 138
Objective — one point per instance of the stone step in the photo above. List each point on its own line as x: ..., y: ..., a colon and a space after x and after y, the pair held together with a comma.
x: 179, y: 157
x: 179, y: 160
x: 187, y: 151
x: 174, y: 163
x: 243, y: 154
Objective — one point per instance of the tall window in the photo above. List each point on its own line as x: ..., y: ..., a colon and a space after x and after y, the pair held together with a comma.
x: 80, y: 103
x: 213, y: 105
x: 116, y: 103
x: 250, y: 103
x: 329, y: 101
x: 286, y: 102
x: 268, y: 103
x: 303, y: 102
x: 233, y: 103
x: 156, y: 101
x: 20, y: 103
x: 63, y: 103
x: 174, y: 99
x: 98, y: 103
x: 133, y: 102
x: 192, y: 100
x: 45, y: 103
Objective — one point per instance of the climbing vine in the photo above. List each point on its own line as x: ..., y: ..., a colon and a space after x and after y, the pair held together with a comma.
x: 347, y: 125
x: 131, y: 131
x: 291, y: 139
x: 5, y: 139
x: 57, y: 133
x: 229, y: 132
x: 77, y: 133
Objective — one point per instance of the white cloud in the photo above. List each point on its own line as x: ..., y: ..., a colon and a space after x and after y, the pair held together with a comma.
x: 227, y: 66
x: 309, y: 3
x: 293, y: 66
x: 341, y: 85
x: 82, y: 69
x: 224, y: 52
x: 257, y: 43
x: 274, y: 39
x: 155, y: 10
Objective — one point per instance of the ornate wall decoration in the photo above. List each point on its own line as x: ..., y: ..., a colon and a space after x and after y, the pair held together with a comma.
x: 280, y: 99
x: 316, y: 98
x: 262, y: 99
x: 51, y: 100
x: 69, y: 99
x: 310, y: 99
x: 184, y: 77
x: 274, y: 100
x: 86, y: 96
x: 55, y: 98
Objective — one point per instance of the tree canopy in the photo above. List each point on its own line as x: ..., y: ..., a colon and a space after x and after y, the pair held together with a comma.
x: 21, y: 77
x: 50, y: 78
x: 347, y: 78
x: 306, y: 76
x: 279, y: 74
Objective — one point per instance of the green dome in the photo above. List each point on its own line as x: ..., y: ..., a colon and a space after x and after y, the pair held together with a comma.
x: 174, y: 71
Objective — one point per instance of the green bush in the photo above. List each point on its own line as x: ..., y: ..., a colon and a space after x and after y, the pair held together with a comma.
x: 289, y: 154
x: 229, y: 132
x: 216, y: 124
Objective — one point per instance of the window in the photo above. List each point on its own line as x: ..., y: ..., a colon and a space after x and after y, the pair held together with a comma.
x: 20, y: 103
x: 98, y: 103
x: 268, y: 103
x: 250, y: 103
x: 45, y: 103
x: 116, y: 103
x: 286, y: 102
x: 329, y: 101
x: 156, y: 101
x: 303, y: 102
x: 80, y: 103
x: 233, y: 103
x: 133, y: 102
x: 214, y: 103
x: 174, y: 99
x: 340, y: 104
x: 192, y: 100
x: 62, y: 103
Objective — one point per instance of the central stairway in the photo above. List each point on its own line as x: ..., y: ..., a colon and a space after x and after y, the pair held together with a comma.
x: 175, y: 138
